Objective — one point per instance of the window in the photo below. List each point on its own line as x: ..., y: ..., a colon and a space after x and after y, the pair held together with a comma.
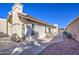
x: 33, y: 26
x: 45, y: 29
x: 49, y: 29
x: 33, y: 29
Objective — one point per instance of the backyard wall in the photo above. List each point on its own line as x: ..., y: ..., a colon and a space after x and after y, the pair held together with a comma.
x: 3, y: 27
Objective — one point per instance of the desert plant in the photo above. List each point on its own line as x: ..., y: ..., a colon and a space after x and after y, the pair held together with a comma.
x: 15, y: 37
x: 68, y: 35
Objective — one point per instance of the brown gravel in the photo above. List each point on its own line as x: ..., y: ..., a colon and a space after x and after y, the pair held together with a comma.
x: 67, y: 47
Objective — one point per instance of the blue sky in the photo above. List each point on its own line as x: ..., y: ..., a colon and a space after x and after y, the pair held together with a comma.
x: 61, y: 14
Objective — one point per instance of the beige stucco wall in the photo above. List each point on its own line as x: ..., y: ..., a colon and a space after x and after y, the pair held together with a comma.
x: 40, y: 29
x: 74, y: 29
x: 3, y: 27
x: 16, y: 24
x: 9, y: 29
x: 52, y: 29
x: 55, y: 31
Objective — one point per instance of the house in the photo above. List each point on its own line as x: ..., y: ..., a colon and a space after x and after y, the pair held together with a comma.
x: 73, y: 28
x: 25, y: 25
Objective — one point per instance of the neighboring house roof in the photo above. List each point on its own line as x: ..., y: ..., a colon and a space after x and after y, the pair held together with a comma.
x: 33, y: 19
x: 72, y: 22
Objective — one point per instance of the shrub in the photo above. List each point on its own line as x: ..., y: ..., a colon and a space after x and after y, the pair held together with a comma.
x: 68, y: 35
x: 15, y: 37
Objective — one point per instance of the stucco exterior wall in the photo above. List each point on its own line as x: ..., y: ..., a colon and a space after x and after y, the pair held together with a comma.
x: 9, y: 29
x: 55, y: 31
x: 3, y: 27
x: 16, y: 24
x: 74, y: 29
x: 41, y: 30
x: 52, y: 29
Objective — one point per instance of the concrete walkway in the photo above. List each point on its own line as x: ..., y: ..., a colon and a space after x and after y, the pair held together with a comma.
x: 5, y: 44
x: 34, y: 49
x: 31, y: 49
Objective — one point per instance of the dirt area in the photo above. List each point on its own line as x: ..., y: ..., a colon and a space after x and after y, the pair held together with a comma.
x: 6, y: 43
x: 67, y: 47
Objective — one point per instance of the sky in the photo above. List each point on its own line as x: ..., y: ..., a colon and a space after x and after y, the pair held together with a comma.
x: 52, y: 13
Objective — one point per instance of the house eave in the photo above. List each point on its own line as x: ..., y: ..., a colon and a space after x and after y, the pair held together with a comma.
x: 23, y: 15
x: 72, y: 22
